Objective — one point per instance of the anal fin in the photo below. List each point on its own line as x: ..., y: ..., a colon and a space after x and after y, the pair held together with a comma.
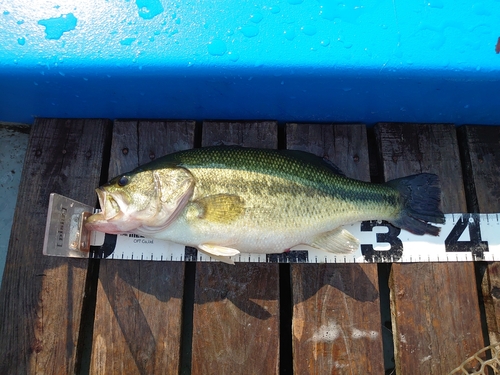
x: 220, y: 253
x: 338, y: 241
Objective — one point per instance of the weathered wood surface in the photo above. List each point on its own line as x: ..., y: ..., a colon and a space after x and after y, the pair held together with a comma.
x: 236, y: 314
x: 236, y: 311
x: 336, y: 324
x: 41, y: 297
x: 481, y: 150
x: 436, y: 317
x: 137, y: 327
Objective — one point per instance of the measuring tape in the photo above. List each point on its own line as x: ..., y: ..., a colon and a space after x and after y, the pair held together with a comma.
x: 464, y: 237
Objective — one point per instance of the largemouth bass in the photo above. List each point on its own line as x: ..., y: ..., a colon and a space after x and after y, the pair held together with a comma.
x: 225, y: 200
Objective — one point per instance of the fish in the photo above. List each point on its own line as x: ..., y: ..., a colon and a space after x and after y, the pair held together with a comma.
x: 224, y: 200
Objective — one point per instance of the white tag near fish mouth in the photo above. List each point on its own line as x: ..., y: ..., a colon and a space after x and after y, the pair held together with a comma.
x: 464, y: 237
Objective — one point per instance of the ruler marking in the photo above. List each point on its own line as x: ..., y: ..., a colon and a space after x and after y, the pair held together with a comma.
x: 464, y: 237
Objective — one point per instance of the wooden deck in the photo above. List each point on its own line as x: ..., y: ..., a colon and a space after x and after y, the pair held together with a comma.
x: 66, y: 316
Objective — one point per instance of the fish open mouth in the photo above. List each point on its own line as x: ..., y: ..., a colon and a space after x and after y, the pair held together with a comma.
x: 109, y: 206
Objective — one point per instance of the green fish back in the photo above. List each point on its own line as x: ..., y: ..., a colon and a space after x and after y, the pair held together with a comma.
x: 297, y: 166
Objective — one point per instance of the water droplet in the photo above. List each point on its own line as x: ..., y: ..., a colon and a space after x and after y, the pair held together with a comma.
x: 230, y: 32
x: 438, y: 4
x: 342, y: 11
x: 55, y: 27
x: 233, y: 56
x: 275, y: 10
x: 149, y: 9
x: 21, y: 41
x: 325, y: 42
x: 346, y: 44
x: 216, y: 47
x: 289, y: 34
x: 250, y: 31
x: 127, y: 41
x: 6, y: 12
x: 481, y: 9
x: 256, y: 17
x: 20, y: 22
x: 309, y: 30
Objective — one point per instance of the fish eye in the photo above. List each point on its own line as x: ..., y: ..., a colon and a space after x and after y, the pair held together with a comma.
x: 123, y: 181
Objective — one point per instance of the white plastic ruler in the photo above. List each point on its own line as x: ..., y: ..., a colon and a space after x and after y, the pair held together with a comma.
x: 464, y: 237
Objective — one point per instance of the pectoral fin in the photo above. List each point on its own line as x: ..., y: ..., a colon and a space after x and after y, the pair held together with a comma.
x: 220, y: 253
x: 338, y: 241
x: 220, y: 208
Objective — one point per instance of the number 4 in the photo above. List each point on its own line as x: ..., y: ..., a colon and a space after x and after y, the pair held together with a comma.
x: 475, y: 245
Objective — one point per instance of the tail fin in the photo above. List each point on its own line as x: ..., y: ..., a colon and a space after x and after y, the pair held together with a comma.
x: 420, y: 196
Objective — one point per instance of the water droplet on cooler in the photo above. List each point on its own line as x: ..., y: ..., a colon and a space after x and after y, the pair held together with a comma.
x: 309, y: 30
x: 216, y: 47
x: 233, y: 56
x: 256, y: 17
x: 289, y: 34
x: 250, y: 31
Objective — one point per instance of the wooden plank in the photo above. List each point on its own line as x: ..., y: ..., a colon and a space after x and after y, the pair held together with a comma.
x: 41, y: 297
x: 336, y: 325
x: 481, y: 147
x: 236, y: 317
x: 436, y: 318
x: 139, y: 304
